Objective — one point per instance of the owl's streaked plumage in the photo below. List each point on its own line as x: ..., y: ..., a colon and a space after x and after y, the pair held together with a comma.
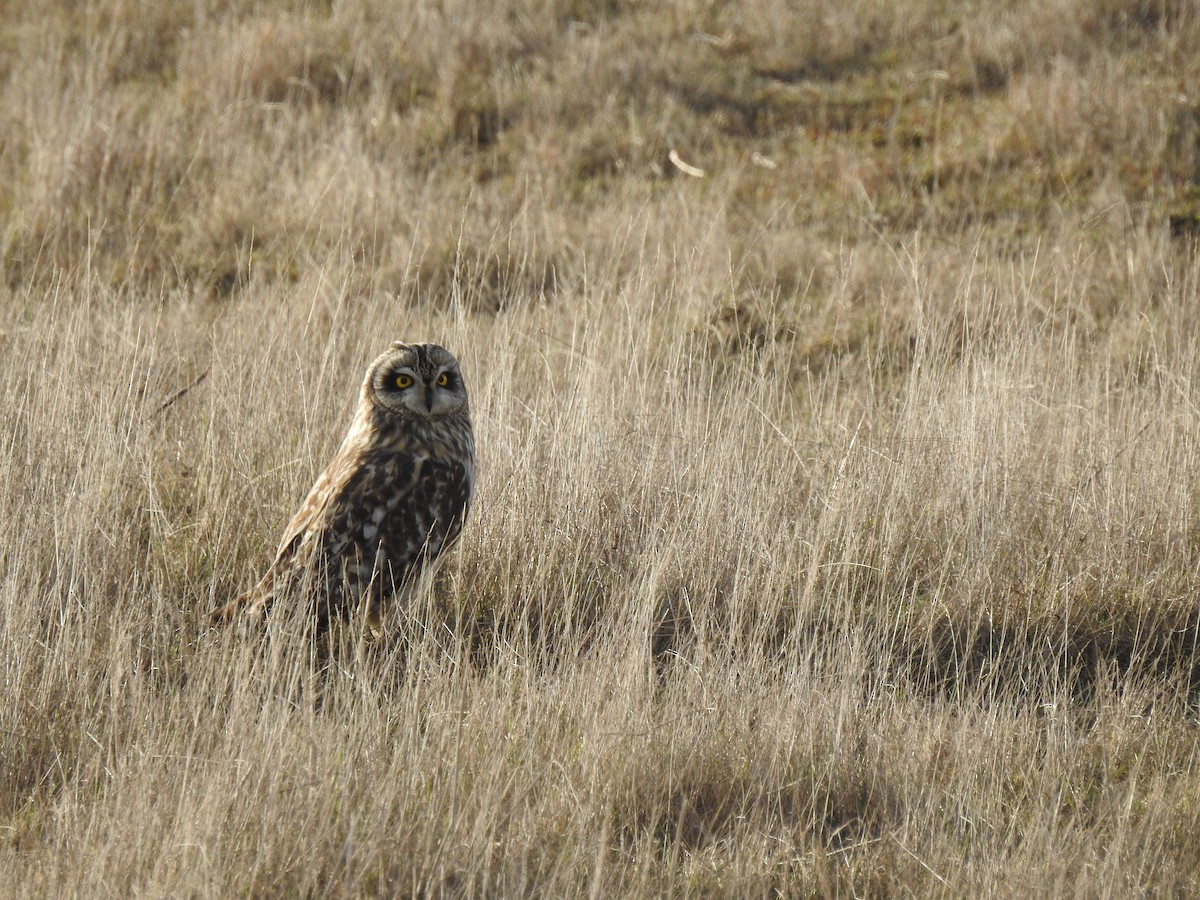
x: 391, y: 501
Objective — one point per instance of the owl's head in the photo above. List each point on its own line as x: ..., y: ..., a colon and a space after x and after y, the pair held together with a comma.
x: 416, y: 380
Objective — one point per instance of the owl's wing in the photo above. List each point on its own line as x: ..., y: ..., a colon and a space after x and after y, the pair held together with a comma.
x: 301, y: 537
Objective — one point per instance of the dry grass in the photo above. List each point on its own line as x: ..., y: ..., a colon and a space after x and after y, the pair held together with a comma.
x: 837, y: 514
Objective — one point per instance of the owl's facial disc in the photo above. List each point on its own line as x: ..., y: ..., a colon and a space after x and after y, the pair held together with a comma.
x: 431, y: 394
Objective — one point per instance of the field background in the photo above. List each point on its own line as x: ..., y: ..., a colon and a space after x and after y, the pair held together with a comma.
x: 835, y: 377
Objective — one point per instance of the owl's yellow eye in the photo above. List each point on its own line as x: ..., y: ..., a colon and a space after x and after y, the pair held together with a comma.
x: 443, y: 380
x: 403, y: 381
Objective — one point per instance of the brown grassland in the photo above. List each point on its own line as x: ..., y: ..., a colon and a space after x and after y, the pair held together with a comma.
x: 837, y: 520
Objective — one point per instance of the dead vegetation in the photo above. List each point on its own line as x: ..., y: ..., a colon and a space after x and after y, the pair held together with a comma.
x: 837, y: 511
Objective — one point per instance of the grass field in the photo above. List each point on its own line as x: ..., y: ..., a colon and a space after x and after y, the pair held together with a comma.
x: 835, y: 372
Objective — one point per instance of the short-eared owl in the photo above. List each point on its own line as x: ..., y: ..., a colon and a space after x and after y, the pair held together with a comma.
x: 391, y: 501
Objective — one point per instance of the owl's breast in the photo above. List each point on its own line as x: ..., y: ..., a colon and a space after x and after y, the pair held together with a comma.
x: 411, y: 509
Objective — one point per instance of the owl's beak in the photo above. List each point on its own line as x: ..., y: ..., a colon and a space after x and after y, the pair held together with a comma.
x: 429, y: 398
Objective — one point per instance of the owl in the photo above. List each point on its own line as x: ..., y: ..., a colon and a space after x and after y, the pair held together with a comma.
x: 391, y: 501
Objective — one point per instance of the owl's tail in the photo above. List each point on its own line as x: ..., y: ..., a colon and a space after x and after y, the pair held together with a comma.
x: 250, y: 606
